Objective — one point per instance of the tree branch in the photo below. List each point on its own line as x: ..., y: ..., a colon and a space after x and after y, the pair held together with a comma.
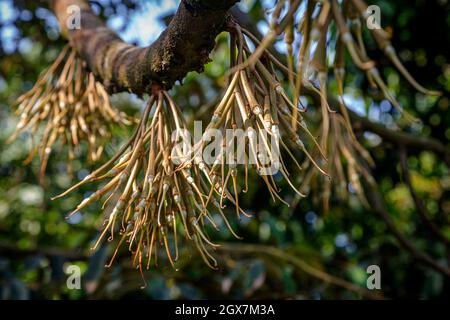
x: 184, y: 46
x: 297, y: 262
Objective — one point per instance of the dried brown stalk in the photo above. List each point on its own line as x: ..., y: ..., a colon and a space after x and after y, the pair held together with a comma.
x: 66, y: 106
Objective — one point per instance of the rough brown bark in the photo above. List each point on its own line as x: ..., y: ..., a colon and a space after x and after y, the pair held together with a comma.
x: 184, y: 46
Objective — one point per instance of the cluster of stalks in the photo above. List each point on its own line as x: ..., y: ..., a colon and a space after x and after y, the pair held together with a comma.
x: 348, y: 163
x: 312, y: 36
x: 67, y: 105
x: 307, y: 61
x: 155, y: 190
x: 256, y: 103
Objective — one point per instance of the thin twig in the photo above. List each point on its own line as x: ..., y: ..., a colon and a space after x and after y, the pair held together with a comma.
x: 11, y: 250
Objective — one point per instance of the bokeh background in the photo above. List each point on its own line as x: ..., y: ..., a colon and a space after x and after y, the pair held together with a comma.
x: 280, y: 243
